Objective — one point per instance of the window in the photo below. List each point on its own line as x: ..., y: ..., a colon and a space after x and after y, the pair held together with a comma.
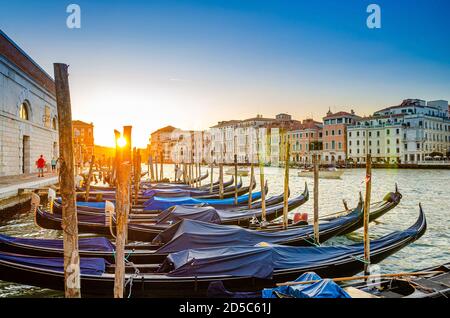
x: 418, y: 146
x: 398, y: 150
x: 388, y: 131
x: 397, y: 131
x: 350, y: 134
x: 23, y: 111
x: 339, y: 132
x: 340, y: 146
x: 54, y: 124
x: 378, y: 134
x: 332, y: 133
x: 333, y: 144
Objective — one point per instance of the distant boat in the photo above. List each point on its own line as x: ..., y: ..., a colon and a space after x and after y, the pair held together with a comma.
x: 331, y: 173
x: 240, y: 171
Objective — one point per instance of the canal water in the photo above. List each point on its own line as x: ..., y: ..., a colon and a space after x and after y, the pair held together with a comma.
x: 429, y: 187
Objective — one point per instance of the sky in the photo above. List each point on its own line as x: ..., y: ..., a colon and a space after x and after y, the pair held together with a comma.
x: 190, y: 64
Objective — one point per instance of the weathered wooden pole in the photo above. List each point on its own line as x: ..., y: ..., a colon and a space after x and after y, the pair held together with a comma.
x: 122, y: 208
x: 156, y: 167
x: 67, y: 184
x: 212, y: 178
x: 261, y: 181
x: 116, y: 162
x: 199, y: 174
x: 235, y: 180
x: 367, y: 214
x: 161, y: 175
x: 137, y: 175
x: 88, y: 185
x: 250, y: 189
x: 286, y: 186
x: 316, y: 199
x: 221, y: 180
x: 149, y: 167
x: 126, y: 158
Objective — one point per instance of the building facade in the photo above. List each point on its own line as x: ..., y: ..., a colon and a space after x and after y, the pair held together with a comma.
x: 335, y: 136
x: 407, y: 133
x: 28, y: 113
x: 305, y: 141
x: 252, y: 139
x: 83, y: 141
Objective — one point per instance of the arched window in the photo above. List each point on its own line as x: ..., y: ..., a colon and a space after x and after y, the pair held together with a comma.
x: 24, y: 111
x: 54, y: 123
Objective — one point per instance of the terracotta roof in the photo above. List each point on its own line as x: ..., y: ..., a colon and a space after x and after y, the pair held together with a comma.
x: 79, y: 122
x: 341, y: 114
x: 164, y: 129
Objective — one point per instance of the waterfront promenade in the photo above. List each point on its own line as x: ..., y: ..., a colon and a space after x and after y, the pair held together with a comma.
x: 10, y: 185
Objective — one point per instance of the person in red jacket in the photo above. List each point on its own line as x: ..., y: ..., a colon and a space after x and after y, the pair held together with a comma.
x: 40, y: 163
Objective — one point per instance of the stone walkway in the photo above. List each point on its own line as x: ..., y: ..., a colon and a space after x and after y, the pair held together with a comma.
x: 10, y: 185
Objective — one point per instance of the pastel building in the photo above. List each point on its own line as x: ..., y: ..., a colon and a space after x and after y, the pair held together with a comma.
x: 335, y: 136
x: 405, y: 133
x: 305, y: 141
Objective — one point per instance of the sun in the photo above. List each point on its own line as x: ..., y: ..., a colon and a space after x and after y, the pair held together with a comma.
x: 121, y: 142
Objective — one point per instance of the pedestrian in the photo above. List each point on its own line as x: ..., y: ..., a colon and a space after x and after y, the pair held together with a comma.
x: 40, y: 163
x: 53, y: 164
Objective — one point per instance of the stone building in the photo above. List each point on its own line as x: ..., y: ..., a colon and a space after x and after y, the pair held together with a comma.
x: 28, y: 114
x: 405, y: 133
x: 83, y: 140
x: 241, y: 137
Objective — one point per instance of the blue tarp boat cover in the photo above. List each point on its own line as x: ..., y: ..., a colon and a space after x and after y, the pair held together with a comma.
x: 84, y: 244
x: 192, y: 233
x: 179, y: 212
x: 99, y: 205
x: 324, y: 288
x: 88, y: 266
x: 261, y: 261
x: 160, y: 203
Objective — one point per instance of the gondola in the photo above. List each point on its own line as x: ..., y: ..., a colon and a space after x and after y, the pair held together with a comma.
x: 377, y: 209
x: 137, y: 211
x: 144, y: 195
x: 100, y: 224
x: 182, y: 235
x: 239, y: 268
x: 431, y: 282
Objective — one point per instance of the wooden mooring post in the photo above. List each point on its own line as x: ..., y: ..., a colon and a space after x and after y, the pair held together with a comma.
x: 316, y: 199
x: 122, y: 207
x: 368, y: 182
x: 250, y: 189
x: 88, y: 185
x: 212, y: 178
x: 235, y: 180
x: 161, y: 175
x: 72, y: 286
x: 116, y: 138
x: 262, y: 182
x: 221, y: 180
x: 286, y: 186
